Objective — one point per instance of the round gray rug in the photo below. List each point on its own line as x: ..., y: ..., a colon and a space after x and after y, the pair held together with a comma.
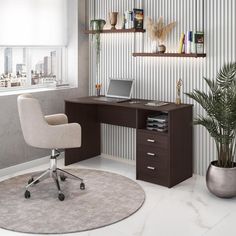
x: 108, y: 198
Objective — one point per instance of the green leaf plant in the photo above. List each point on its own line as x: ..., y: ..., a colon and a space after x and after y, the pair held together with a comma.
x: 220, y: 106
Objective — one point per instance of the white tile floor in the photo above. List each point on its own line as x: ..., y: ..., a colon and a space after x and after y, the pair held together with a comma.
x: 185, y: 210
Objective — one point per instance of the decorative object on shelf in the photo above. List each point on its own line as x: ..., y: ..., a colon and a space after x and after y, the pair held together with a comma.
x: 161, y: 48
x: 220, y: 106
x: 158, y: 32
x: 138, y: 18
x: 129, y: 24
x: 98, y: 89
x: 97, y: 26
x: 113, y: 19
x: 123, y: 21
x: 178, y: 92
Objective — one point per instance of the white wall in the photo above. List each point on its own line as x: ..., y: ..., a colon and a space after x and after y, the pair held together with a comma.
x: 155, y: 78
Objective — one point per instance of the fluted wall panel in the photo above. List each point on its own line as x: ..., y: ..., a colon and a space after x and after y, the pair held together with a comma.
x: 155, y: 78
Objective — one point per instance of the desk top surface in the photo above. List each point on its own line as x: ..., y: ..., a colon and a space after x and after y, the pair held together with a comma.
x: 140, y: 105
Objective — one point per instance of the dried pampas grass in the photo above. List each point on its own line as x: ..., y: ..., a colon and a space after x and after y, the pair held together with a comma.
x: 157, y: 31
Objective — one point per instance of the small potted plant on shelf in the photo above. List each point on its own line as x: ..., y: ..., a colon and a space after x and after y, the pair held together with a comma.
x: 158, y: 33
x: 220, y: 121
x: 97, y: 26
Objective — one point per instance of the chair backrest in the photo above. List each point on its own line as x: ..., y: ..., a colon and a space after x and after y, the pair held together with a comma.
x: 31, y: 118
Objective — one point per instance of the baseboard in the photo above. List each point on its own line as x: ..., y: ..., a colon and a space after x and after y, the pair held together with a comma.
x: 119, y: 159
x: 27, y: 165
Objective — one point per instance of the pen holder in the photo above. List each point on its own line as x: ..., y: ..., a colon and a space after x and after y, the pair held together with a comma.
x: 98, y: 89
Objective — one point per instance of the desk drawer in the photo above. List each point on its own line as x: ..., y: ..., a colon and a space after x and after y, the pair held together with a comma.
x: 150, y: 138
x: 153, y: 174
x: 117, y: 115
x: 147, y: 155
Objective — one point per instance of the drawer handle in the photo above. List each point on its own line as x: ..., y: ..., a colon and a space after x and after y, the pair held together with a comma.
x: 151, y: 168
x: 151, y: 140
x: 151, y: 154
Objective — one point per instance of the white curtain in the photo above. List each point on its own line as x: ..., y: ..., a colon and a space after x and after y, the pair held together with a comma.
x: 33, y: 22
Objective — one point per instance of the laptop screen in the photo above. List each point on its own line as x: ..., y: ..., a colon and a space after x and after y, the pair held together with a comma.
x: 119, y: 88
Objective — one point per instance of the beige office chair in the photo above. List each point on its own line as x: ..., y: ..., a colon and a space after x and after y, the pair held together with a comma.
x: 49, y: 132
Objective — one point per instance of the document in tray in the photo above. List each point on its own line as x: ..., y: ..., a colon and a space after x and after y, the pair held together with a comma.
x: 156, y: 103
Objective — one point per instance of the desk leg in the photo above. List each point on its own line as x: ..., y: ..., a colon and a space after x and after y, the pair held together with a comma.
x: 86, y: 116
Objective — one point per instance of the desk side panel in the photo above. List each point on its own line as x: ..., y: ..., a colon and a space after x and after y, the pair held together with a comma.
x: 86, y: 116
x: 181, y: 138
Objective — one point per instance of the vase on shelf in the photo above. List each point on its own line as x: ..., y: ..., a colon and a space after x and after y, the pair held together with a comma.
x: 157, y: 48
x: 113, y: 19
x: 97, y: 25
x: 161, y: 48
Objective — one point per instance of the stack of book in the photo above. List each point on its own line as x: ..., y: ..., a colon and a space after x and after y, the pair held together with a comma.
x: 158, y: 123
x: 191, y: 42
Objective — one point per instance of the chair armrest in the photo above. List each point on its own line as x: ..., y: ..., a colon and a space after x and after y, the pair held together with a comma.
x: 64, y: 135
x: 58, y: 136
x: 56, y: 119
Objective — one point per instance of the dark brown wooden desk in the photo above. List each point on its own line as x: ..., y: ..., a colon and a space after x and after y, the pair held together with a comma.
x: 162, y: 158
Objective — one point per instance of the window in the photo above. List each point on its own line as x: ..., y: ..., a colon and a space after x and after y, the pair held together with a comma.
x: 42, y: 25
x: 25, y: 67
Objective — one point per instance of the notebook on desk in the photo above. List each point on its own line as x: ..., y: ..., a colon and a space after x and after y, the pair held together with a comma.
x: 119, y: 90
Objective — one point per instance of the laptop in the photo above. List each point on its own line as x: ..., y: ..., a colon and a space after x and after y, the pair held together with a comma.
x: 119, y: 90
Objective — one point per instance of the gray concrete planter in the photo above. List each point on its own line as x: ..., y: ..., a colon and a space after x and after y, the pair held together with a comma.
x: 221, y: 181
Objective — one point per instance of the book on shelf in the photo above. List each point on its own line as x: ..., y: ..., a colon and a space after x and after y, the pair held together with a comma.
x: 193, y: 44
x: 184, y: 48
x: 188, y: 41
x: 181, y: 43
x: 138, y: 18
x: 199, y: 42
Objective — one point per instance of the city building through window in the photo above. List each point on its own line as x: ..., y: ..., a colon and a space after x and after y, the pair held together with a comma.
x: 25, y: 67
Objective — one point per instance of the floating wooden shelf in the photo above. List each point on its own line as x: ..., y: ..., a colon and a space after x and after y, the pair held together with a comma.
x: 145, y: 54
x: 115, y: 31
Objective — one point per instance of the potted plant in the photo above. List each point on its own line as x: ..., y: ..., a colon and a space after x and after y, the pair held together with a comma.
x: 97, y: 26
x: 220, y: 121
x: 158, y: 33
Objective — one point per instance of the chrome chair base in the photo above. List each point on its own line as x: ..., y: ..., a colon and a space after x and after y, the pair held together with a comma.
x: 56, y: 174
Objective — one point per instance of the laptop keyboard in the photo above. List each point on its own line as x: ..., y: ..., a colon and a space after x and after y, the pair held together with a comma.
x: 106, y: 99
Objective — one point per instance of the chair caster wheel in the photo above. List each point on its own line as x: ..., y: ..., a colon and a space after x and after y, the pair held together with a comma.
x: 27, y: 194
x: 82, y: 186
x: 31, y: 180
x: 61, y: 196
x: 63, y: 178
